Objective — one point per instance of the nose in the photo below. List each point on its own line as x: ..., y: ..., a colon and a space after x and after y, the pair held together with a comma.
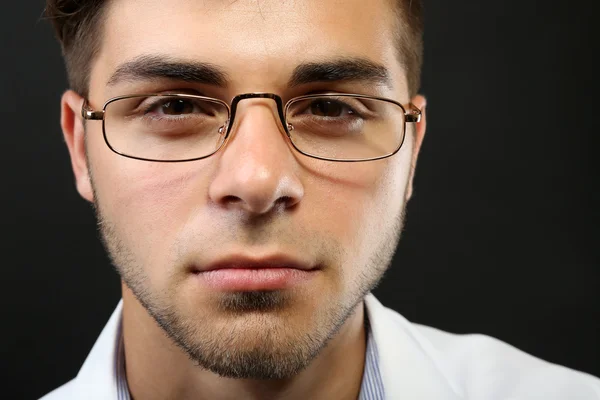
x: 257, y: 170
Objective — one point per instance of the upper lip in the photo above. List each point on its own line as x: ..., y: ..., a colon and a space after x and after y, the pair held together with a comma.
x: 274, y: 261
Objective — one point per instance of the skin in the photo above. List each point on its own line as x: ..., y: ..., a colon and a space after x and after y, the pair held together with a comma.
x: 256, y: 197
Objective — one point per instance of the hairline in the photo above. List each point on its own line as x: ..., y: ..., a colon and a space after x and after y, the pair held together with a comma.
x: 81, y: 81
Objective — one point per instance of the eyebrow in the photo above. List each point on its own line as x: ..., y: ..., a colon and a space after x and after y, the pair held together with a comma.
x: 344, y: 69
x: 149, y: 67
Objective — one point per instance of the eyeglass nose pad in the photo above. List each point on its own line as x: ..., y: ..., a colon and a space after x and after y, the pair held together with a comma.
x: 223, y: 128
x: 290, y: 127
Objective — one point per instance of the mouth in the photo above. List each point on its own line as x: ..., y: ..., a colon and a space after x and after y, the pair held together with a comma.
x: 243, y: 274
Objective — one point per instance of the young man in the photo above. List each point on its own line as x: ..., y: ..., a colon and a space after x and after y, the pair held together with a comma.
x: 249, y: 163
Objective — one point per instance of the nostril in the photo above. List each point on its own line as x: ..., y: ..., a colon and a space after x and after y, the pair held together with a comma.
x: 282, y: 203
x: 231, y: 200
x: 286, y: 202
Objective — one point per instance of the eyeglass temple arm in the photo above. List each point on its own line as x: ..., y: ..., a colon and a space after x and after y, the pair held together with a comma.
x: 86, y: 113
x: 414, y: 114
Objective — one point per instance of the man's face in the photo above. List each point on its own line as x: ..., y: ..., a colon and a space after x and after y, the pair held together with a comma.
x: 257, y: 201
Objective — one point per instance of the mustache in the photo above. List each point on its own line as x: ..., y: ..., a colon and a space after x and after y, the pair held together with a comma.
x: 256, y: 231
x: 256, y: 237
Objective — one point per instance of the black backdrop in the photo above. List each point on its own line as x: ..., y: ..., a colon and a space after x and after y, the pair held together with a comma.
x: 502, y: 232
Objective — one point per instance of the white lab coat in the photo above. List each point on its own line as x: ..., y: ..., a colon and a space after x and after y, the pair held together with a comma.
x: 416, y: 362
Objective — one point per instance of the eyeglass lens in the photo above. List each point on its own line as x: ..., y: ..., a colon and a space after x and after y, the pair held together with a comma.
x: 176, y: 127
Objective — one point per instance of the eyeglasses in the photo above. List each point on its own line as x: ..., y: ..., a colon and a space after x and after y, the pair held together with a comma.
x: 185, y: 127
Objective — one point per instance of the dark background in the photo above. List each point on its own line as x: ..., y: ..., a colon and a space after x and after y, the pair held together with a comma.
x: 502, y: 232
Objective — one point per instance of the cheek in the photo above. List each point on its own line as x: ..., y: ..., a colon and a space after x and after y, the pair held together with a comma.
x: 358, y: 202
x: 149, y: 203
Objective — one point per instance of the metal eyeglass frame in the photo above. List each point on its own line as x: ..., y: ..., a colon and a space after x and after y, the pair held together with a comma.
x: 413, y: 115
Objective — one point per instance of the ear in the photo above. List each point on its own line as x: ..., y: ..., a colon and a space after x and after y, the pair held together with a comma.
x: 71, y: 122
x: 421, y: 103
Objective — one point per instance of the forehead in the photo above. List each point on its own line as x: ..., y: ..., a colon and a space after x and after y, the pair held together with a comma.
x: 257, y: 41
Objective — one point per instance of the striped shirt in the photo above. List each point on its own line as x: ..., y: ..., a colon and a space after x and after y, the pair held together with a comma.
x: 371, y: 387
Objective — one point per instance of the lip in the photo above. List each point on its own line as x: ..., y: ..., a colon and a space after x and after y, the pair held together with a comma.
x: 241, y: 273
x: 244, y: 262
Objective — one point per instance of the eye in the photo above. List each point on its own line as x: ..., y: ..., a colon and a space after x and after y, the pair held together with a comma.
x: 330, y: 108
x: 176, y: 107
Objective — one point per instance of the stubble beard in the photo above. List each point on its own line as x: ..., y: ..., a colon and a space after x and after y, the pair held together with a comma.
x: 230, y: 351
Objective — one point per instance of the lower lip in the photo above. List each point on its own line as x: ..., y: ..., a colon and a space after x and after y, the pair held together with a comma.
x: 249, y: 279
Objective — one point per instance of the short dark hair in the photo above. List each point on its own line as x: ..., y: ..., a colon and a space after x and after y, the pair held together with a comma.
x: 77, y: 24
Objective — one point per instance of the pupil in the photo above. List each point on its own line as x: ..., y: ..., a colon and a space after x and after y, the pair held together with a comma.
x: 326, y: 108
x: 176, y: 107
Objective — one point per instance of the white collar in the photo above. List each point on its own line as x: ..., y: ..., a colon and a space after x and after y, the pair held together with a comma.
x: 407, y: 369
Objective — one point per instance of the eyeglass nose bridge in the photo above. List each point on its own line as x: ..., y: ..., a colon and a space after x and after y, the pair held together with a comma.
x: 234, y: 104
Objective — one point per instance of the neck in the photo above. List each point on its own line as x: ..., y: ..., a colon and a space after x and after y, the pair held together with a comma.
x: 158, y: 369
